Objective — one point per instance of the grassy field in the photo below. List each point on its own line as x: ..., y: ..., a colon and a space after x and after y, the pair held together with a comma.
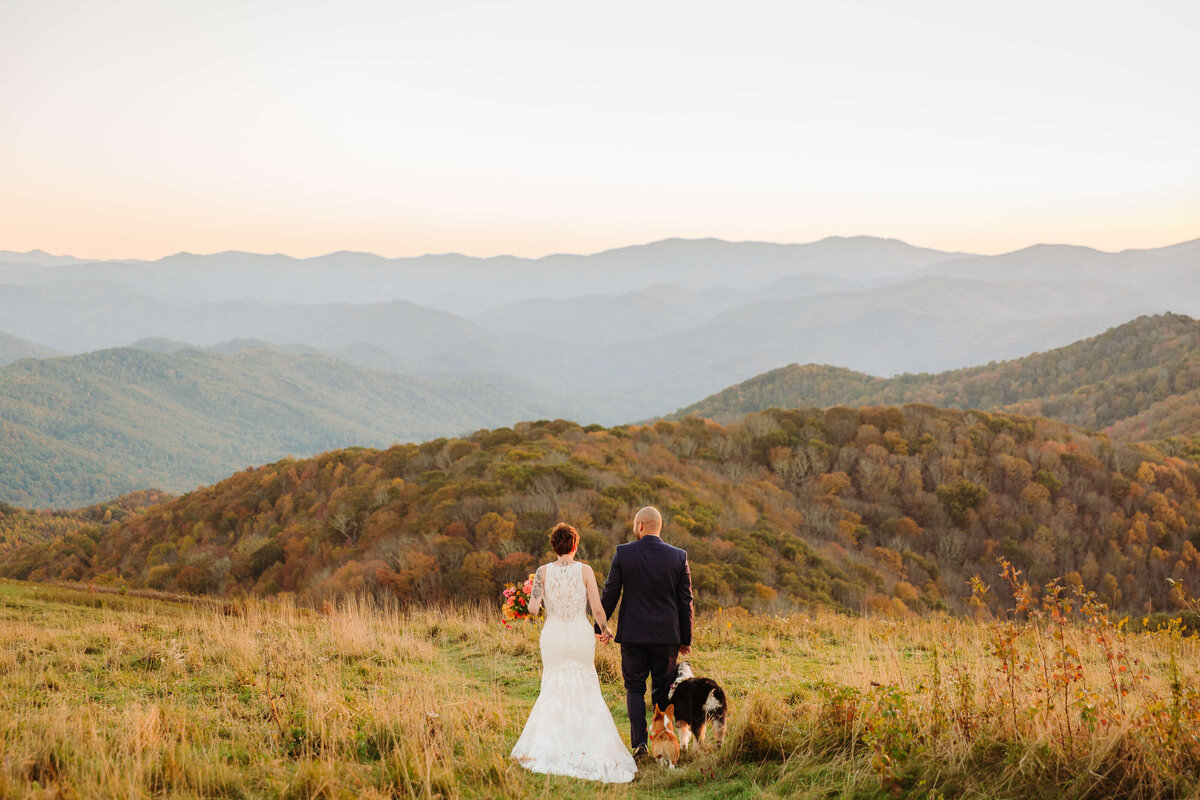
x: 105, y: 695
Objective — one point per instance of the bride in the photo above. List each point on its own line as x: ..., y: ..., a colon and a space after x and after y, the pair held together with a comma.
x: 570, y: 730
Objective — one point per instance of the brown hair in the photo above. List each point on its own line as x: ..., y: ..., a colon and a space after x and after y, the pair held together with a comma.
x: 563, y: 538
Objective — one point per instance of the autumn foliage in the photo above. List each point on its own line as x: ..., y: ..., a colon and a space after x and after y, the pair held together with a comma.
x: 882, y: 509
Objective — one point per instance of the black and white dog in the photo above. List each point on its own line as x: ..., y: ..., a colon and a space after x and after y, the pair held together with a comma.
x: 699, y: 707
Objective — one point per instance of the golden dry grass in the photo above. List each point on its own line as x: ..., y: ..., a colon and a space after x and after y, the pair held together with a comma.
x: 109, y: 696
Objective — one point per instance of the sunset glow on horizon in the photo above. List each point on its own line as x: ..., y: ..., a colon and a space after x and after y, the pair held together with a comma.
x: 136, y: 129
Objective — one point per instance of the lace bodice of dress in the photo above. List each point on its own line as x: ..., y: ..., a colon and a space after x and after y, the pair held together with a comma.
x: 566, y: 596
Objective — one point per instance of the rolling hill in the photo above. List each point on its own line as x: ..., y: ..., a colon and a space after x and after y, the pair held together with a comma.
x: 14, y: 348
x: 876, y: 508
x: 20, y: 527
x: 1139, y: 380
x: 80, y: 429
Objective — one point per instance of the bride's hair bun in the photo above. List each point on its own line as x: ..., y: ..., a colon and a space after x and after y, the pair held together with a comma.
x: 563, y: 538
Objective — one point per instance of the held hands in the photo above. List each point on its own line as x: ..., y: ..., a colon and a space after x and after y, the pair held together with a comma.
x: 605, y: 636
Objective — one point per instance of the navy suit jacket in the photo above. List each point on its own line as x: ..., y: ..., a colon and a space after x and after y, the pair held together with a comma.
x: 657, y: 587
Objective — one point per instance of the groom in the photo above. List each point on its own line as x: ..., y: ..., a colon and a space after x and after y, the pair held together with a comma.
x: 655, y: 627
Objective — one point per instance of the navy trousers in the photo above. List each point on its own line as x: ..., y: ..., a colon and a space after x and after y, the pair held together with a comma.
x: 639, y: 661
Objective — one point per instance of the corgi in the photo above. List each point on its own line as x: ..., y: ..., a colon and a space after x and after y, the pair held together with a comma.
x: 700, y: 707
x: 664, y: 745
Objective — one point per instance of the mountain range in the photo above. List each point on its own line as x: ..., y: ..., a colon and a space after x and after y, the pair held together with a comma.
x: 440, y: 345
x: 625, y: 334
x: 466, y: 285
x: 1157, y: 270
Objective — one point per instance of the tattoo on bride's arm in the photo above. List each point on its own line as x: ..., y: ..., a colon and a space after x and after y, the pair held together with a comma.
x: 535, y: 596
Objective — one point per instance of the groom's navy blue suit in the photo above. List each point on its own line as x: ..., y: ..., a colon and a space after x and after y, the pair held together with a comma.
x: 656, y: 619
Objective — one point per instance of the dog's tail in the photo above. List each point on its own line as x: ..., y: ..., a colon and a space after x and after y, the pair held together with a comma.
x: 715, y: 709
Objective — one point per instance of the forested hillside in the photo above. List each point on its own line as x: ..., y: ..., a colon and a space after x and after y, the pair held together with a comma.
x: 1175, y: 418
x: 82, y: 429
x: 20, y: 526
x: 1115, y: 380
x: 880, y: 508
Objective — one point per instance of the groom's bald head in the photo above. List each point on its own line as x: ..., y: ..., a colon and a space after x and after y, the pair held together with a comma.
x: 647, y: 522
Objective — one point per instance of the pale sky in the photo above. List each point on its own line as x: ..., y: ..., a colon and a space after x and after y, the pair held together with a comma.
x: 138, y: 128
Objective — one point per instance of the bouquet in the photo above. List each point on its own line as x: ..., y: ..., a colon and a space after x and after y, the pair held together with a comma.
x: 516, y: 601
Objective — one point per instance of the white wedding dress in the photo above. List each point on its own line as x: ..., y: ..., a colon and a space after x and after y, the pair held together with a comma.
x: 570, y: 730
